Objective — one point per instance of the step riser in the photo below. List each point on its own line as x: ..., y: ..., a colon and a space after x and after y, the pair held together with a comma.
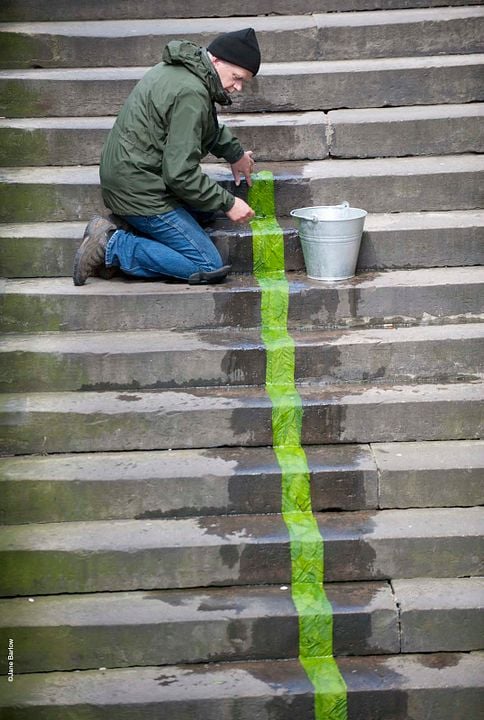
x: 438, y: 361
x: 220, y: 625
x: 451, y: 82
x: 378, y: 687
x: 151, y: 422
x: 274, y: 142
x: 26, y: 202
x: 451, y: 246
x: 302, y: 39
x: 30, y: 10
x: 320, y: 307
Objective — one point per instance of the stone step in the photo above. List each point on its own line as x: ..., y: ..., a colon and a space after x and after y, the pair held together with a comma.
x: 31, y: 10
x: 440, y: 614
x: 411, y: 297
x: 430, y: 474
x: 428, y: 31
x: 149, y: 360
x: 215, y: 417
x: 398, y: 240
x: 189, y: 626
x: 122, y: 555
x: 447, y: 686
x: 279, y: 87
x: 378, y: 185
x: 277, y: 137
x: 156, y: 484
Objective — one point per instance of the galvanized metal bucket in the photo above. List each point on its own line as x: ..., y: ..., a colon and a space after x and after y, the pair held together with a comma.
x: 330, y: 238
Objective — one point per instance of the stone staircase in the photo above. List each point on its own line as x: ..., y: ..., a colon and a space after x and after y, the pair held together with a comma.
x: 146, y: 563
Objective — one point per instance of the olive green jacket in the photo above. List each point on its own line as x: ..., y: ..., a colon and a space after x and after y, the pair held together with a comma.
x: 150, y: 162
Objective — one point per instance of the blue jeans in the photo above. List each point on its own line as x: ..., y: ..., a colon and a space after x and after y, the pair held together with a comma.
x: 172, y: 244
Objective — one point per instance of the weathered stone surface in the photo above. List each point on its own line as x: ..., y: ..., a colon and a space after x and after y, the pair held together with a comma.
x: 390, y: 240
x: 75, y: 557
x: 430, y: 474
x: 279, y: 87
x: 428, y: 296
x: 140, y: 360
x: 281, y: 38
x: 177, y: 483
x: 188, y: 626
x: 398, y: 687
x: 30, y: 10
x: 440, y: 614
x: 397, y: 132
x: 335, y: 84
x: 429, y: 239
x: 449, y: 683
x: 275, y: 137
x: 414, y: 32
x: 213, y: 417
x: 377, y: 185
x: 121, y: 43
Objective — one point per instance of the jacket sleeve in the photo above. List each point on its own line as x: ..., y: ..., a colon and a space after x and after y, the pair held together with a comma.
x: 227, y: 146
x: 182, y: 155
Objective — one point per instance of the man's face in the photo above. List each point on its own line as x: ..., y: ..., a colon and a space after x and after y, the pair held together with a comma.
x: 231, y: 76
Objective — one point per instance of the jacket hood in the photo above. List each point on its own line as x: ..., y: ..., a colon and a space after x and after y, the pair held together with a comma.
x: 197, y: 61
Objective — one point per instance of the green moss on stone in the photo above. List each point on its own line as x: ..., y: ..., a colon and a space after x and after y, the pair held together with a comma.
x: 19, y: 50
x: 21, y: 203
x: 20, y: 147
x: 19, y: 99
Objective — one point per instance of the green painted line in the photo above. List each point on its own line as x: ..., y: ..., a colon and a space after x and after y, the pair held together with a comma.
x: 307, y: 547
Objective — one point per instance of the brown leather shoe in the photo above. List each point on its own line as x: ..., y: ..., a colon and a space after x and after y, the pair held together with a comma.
x: 89, y: 258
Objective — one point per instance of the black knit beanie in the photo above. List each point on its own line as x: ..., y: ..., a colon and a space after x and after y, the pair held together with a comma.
x: 238, y: 48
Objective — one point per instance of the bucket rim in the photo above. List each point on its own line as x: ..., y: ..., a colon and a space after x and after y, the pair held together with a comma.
x: 294, y: 213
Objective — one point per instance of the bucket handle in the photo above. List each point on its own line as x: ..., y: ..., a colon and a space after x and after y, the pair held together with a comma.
x: 342, y: 206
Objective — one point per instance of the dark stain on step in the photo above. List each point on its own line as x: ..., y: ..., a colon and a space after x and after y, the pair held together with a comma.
x: 166, y: 680
x: 348, y: 553
x: 245, y: 366
x: 377, y: 705
x: 439, y: 661
x: 230, y: 555
x: 128, y: 398
x: 319, y: 363
x: 324, y: 420
x: 253, y: 426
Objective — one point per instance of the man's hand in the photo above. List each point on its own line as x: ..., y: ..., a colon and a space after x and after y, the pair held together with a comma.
x: 240, y: 212
x: 244, y: 167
